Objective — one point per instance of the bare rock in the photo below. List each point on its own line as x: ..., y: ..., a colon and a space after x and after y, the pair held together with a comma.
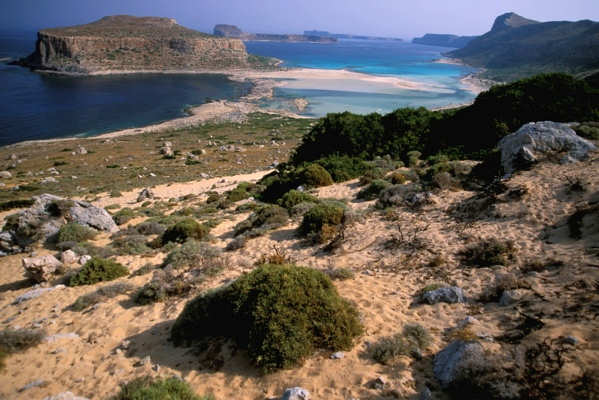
x: 41, y: 269
x: 145, y: 194
x: 537, y: 141
x: 454, y: 361
x: 65, y: 396
x: 84, y: 259
x: 451, y: 294
x: 296, y: 393
x: 5, y: 175
x: 81, y: 150
x: 69, y: 257
x: 509, y: 297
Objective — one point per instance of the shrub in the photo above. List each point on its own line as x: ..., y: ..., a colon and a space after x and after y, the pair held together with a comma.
x: 372, y: 191
x: 295, y: 197
x: 262, y: 220
x: 98, y: 270
x: 197, y: 255
x: 299, y: 210
x: 280, y: 313
x: 73, y: 232
x: 131, y: 245
x: 243, y: 191
x: 150, y: 228
x: 123, y: 216
x: 12, y: 204
x: 315, y: 175
x: 185, y: 229
x: 588, y: 130
x: 413, y: 339
x: 100, y: 295
x: 163, y: 285
x: 147, y: 388
x: 489, y: 252
x: 343, y: 168
x: 321, y: 222
x: 16, y: 340
x: 371, y: 175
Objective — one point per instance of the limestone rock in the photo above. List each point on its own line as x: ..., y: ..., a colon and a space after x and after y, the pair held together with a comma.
x: 452, y: 294
x: 145, y: 194
x: 296, y: 393
x: 509, y: 297
x: 32, y: 294
x: 537, y: 141
x: 452, y: 362
x: 41, y: 269
x: 5, y: 175
x: 167, y: 151
x: 81, y: 150
x: 69, y: 257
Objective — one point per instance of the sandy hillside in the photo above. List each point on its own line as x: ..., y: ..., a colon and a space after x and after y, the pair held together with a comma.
x: 390, y: 254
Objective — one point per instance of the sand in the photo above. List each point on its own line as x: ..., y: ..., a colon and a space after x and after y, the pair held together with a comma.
x: 388, y: 274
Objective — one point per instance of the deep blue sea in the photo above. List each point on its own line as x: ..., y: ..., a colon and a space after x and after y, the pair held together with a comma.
x: 40, y: 106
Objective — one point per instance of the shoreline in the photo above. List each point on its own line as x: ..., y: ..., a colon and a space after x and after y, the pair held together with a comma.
x: 264, y: 83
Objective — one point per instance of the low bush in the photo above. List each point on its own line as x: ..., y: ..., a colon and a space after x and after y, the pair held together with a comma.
x: 322, y: 222
x: 147, y: 388
x: 280, y: 313
x: 101, y: 295
x: 164, y: 284
x: 243, y: 191
x: 185, y: 229
x: 131, y: 245
x: 193, y: 254
x: 339, y: 274
x: 588, y: 130
x: 16, y: 340
x: 148, y: 228
x: 97, y: 270
x: 372, y: 191
x: 295, y: 197
x: 12, y: 204
x: 264, y: 219
x: 314, y: 175
x: 371, y: 175
x: 343, y: 168
x: 73, y: 232
x: 398, y: 178
x: 489, y: 252
x: 123, y: 216
x: 412, y: 340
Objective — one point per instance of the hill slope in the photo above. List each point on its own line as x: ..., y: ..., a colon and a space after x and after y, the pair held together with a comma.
x: 122, y: 42
x: 517, y: 47
x: 443, y: 40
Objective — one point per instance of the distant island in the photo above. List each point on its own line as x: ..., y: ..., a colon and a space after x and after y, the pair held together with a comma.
x: 326, y: 34
x: 232, y: 31
x: 516, y: 47
x: 444, y: 40
x: 124, y: 43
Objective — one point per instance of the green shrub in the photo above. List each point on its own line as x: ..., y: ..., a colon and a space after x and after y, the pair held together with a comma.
x: 315, y: 175
x: 131, y: 245
x: 101, y: 295
x: 414, y: 338
x: 12, y: 204
x: 264, y: 219
x: 97, y: 270
x: 147, y: 388
x: 588, y: 130
x: 243, y: 191
x: 73, y: 232
x: 321, y: 222
x: 162, y: 286
x: 397, y: 178
x: 150, y: 228
x: 371, y: 175
x: 295, y: 197
x: 16, y: 340
x: 280, y: 313
x: 197, y: 255
x: 489, y: 252
x: 373, y: 190
x: 343, y: 168
x: 123, y: 216
x: 185, y: 229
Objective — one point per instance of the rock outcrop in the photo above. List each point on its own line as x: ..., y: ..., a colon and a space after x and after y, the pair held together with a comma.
x: 456, y: 360
x: 537, y: 141
x: 127, y: 43
x: 41, y: 269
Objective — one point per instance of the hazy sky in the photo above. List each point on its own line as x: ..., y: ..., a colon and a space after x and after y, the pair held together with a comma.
x: 398, y: 18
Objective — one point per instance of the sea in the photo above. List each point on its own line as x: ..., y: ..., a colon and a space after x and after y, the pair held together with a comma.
x: 43, y: 106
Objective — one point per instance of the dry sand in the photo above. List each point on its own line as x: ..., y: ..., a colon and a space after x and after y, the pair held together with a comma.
x: 386, y: 281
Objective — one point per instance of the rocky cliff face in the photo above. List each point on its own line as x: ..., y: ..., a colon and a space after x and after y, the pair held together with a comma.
x: 124, y: 43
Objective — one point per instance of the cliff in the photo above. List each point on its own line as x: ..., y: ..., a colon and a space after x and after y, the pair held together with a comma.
x: 443, y: 40
x: 516, y: 47
x: 120, y: 43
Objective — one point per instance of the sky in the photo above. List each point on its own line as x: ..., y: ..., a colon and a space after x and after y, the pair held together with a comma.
x: 391, y: 18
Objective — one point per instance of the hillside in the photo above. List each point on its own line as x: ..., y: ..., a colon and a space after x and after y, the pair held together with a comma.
x: 127, y: 43
x: 444, y: 40
x: 517, y: 47
x: 232, y: 31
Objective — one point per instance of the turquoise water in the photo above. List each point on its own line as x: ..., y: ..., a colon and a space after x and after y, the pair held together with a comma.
x: 384, y: 58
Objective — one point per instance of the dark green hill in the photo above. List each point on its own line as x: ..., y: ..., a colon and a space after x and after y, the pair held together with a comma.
x: 517, y: 47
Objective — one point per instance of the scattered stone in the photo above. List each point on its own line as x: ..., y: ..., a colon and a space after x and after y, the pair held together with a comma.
x: 32, y: 294
x: 81, y: 150
x: 338, y: 355
x: 49, y: 180
x: 452, y: 294
x: 538, y: 141
x: 41, y: 269
x: 468, y: 321
x: 53, y: 171
x: 69, y: 257
x: 61, y: 336
x: 13, y: 157
x: 379, y: 383
x: 31, y: 385
x: 143, y: 362
x: 145, y: 194
x: 511, y: 296
x: 65, y: 396
x: 5, y: 175
x: 451, y: 362
x: 296, y: 393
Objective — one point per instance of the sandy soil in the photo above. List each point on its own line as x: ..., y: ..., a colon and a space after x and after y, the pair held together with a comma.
x: 389, y: 273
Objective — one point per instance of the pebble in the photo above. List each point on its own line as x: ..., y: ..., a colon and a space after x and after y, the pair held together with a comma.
x: 338, y: 355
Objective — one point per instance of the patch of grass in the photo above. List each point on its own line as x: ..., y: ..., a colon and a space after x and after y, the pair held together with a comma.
x: 280, y: 313
x: 489, y: 252
x: 188, y: 228
x: 162, y: 286
x: 148, y: 388
x: 340, y: 274
x: 17, y: 340
x: 295, y: 197
x: 98, y: 270
x: 101, y: 295
x: 131, y: 245
x: 414, y: 338
x: 262, y: 220
x: 73, y: 232
x: 372, y: 191
x: 322, y: 222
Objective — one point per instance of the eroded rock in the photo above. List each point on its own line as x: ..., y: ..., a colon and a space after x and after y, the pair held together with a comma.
x: 41, y: 269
